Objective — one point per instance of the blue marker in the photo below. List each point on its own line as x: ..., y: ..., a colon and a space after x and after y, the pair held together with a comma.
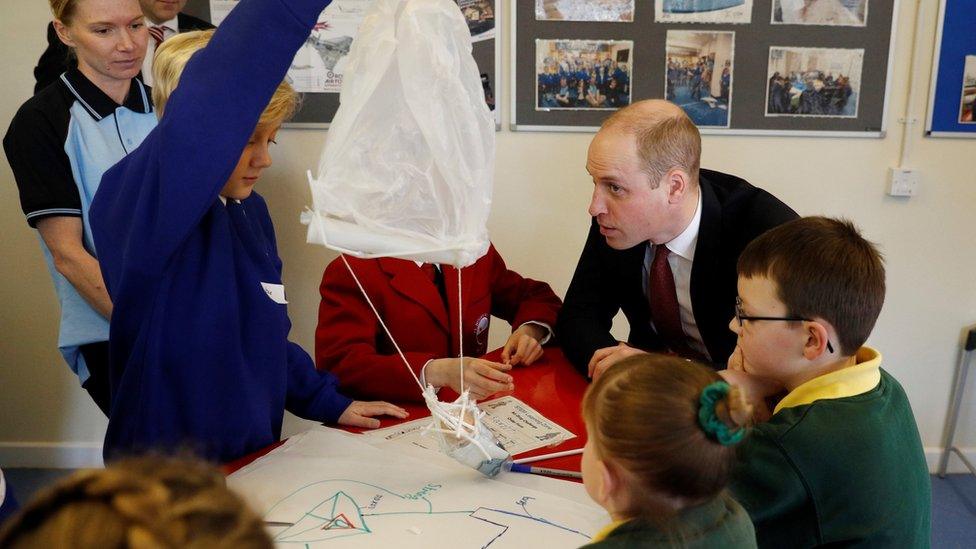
x: 520, y: 468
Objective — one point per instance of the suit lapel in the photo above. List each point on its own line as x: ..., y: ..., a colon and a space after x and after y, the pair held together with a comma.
x: 410, y: 282
x: 706, y: 258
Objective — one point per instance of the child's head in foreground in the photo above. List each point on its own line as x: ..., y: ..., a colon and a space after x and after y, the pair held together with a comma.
x: 810, y: 292
x: 661, y: 437
x: 138, y: 503
x: 171, y: 57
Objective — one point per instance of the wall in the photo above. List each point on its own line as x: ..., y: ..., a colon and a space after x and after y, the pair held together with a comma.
x: 539, y: 224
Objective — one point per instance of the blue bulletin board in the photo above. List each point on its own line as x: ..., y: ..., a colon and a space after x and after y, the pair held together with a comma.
x: 952, y: 99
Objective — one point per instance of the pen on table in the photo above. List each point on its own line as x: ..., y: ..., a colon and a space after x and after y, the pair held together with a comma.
x: 550, y: 456
x: 274, y: 523
x: 520, y: 468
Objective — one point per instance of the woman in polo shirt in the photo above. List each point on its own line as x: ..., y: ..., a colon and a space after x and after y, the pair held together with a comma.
x: 59, y: 144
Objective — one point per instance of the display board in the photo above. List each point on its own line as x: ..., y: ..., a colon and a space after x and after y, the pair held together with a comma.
x: 952, y: 98
x: 316, y: 71
x: 735, y: 66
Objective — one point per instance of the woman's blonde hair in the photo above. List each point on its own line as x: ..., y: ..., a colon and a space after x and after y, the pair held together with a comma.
x: 173, y: 55
x: 643, y: 415
x: 149, y: 502
x: 63, y: 10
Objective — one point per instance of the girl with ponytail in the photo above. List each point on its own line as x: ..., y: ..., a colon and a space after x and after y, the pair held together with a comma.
x: 661, y: 444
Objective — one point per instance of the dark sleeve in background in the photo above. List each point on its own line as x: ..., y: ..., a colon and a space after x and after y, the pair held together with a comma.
x: 55, y: 60
x: 591, y: 303
x: 190, y: 23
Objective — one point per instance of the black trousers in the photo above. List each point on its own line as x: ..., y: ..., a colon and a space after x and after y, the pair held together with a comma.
x: 97, y: 384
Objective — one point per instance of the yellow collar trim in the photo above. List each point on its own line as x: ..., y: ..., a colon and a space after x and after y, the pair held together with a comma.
x: 605, y: 531
x: 846, y: 382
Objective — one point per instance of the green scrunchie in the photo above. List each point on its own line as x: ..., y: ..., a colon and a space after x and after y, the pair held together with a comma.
x: 710, y: 423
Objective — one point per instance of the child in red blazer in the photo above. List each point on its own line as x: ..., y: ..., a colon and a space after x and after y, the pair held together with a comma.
x: 350, y: 342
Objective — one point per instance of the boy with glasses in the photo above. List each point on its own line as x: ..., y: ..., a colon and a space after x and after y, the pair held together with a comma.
x: 839, y: 460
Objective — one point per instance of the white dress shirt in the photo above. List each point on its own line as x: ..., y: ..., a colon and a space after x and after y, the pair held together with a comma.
x: 680, y: 260
x: 172, y: 29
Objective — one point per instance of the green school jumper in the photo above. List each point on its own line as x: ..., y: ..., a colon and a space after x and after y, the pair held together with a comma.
x: 719, y: 523
x: 840, y: 462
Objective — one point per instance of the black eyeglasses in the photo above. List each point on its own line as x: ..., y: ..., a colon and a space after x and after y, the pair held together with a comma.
x: 739, y: 316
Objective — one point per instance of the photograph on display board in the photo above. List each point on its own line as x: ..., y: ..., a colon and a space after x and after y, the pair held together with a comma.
x: 968, y: 91
x: 703, y: 11
x: 585, y: 10
x: 699, y: 75
x: 838, y: 13
x: 814, y: 82
x: 583, y: 74
x: 480, y: 15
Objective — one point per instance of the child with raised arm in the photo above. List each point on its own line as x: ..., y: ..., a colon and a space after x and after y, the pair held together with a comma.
x: 840, y: 461
x: 661, y: 444
x: 199, y: 335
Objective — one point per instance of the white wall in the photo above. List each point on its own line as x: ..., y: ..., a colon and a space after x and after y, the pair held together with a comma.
x: 539, y: 224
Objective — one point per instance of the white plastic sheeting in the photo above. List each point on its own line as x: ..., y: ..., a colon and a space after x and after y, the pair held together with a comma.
x: 408, y: 166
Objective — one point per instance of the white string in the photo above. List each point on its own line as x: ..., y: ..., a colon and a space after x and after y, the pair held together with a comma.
x: 460, y: 328
x: 383, y: 324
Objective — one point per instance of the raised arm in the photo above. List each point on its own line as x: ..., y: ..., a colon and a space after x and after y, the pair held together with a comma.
x: 158, y: 194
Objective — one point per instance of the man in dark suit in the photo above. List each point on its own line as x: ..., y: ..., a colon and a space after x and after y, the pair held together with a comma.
x: 165, y: 16
x: 663, y: 244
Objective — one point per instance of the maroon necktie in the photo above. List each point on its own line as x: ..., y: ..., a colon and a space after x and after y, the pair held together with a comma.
x: 158, y: 34
x: 664, y: 303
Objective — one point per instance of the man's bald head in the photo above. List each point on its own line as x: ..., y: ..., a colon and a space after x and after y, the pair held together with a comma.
x: 666, y: 138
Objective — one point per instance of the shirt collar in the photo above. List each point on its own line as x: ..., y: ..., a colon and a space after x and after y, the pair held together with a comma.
x: 605, y: 531
x: 100, y: 105
x: 846, y: 382
x: 173, y: 24
x: 684, y: 244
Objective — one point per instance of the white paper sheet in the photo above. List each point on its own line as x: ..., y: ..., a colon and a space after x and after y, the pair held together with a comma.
x: 330, y: 488
x: 518, y: 427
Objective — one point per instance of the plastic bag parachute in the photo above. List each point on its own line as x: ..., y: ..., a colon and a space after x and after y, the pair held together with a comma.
x: 407, y: 171
x: 408, y: 166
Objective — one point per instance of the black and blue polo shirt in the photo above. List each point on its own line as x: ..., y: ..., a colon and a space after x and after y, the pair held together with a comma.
x: 59, y: 144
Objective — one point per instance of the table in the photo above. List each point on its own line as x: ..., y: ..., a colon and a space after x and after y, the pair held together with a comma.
x: 552, y: 386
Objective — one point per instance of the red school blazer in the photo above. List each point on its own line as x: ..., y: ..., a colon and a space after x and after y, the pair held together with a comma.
x: 350, y: 342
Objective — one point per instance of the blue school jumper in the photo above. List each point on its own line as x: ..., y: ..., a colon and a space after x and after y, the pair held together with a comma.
x: 199, y: 343
x: 59, y: 144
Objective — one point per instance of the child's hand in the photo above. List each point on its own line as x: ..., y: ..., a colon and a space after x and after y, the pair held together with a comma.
x: 756, y: 391
x: 360, y: 414
x: 608, y: 356
x: 523, y: 345
x: 481, y: 377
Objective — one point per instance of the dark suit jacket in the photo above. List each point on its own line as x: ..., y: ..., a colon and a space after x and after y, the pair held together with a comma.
x: 607, y: 280
x: 56, y: 58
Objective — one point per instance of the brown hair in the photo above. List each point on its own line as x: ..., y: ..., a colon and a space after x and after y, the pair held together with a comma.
x: 666, y: 138
x: 63, y: 10
x: 642, y: 414
x: 822, y: 268
x: 172, y: 56
x: 148, y: 502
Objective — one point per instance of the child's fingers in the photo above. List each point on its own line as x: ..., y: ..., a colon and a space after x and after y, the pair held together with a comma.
x: 598, y: 356
x: 507, y: 349
x: 384, y: 408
